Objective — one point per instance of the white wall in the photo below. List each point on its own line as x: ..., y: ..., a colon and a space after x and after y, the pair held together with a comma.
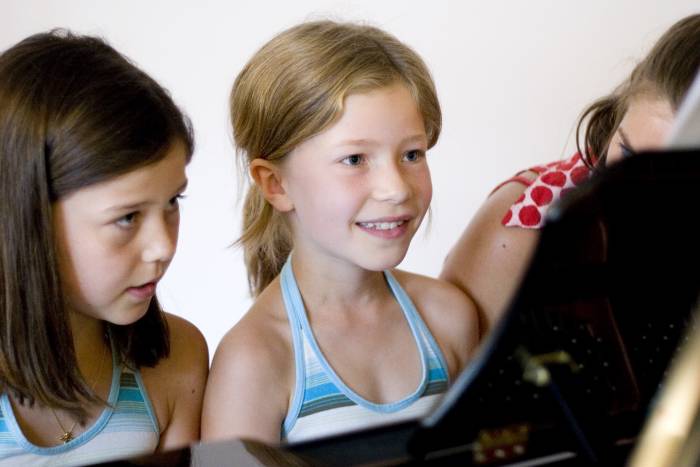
x: 512, y: 77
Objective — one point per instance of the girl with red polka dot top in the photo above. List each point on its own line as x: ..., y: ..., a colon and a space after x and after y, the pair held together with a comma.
x: 491, y: 255
x: 553, y: 181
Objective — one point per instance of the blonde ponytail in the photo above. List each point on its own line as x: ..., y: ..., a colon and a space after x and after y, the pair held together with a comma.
x: 266, y: 240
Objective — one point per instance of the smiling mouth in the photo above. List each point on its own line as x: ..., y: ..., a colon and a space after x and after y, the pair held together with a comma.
x: 381, y: 225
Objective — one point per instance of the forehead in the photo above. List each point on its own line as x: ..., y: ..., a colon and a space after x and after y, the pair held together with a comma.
x: 390, y: 108
x: 152, y: 180
x: 647, y: 121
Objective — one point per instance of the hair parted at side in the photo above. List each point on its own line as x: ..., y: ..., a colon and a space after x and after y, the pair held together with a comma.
x: 293, y: 88
x: 666, y: 72
x: 73, y: 112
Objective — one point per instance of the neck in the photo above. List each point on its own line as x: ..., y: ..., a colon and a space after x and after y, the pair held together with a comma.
x: 332, y: 284
x: 88, y: 341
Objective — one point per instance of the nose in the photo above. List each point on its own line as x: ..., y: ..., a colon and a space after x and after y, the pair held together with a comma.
x: 160, y: 241
x: 391, y: 184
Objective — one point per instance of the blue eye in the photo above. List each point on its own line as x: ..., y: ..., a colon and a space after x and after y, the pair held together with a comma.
x: 413, y: 156
x: 353, y: 160
x: 626, y: 151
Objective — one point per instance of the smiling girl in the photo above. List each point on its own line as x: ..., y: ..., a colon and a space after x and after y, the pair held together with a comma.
x: 92, y: 164
x: 333, y: 122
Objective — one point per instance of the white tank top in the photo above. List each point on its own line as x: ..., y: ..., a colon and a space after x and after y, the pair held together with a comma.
x: 126, y: 427
x: 322, y: 404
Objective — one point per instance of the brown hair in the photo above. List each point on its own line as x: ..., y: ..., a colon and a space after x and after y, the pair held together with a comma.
x: 293, y: 88
x: 74, y: 113
x: 666, y: 72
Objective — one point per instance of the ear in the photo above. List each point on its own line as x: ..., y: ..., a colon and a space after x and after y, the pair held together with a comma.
x: 268, y: 177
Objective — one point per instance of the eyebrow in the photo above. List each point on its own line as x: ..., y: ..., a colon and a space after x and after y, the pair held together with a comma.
x: 368, y: 142
x: 129, y: 207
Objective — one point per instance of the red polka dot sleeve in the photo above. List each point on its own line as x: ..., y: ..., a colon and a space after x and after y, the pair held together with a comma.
x: 554, y: 181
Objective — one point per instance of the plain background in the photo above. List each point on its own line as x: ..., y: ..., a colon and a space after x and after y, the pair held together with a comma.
x: 512, y: 77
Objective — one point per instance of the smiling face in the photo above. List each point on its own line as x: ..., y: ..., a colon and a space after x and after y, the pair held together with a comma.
x: 646, y: 125
x: 115, y: 239
x: 358, y: 191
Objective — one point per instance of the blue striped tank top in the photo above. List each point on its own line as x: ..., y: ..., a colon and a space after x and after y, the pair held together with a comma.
x: 322, y: 404
x: 126, y: 427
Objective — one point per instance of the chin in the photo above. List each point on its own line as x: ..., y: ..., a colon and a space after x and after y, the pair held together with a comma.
x: 127, y: 317
x: 383, y: 262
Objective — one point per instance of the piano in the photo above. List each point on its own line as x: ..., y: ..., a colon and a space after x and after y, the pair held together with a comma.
x: 570, y: 374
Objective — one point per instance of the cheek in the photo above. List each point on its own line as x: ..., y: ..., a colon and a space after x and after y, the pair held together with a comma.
x: 93, y: 260
x: 423, y: 186
x: 174, y: 227
x: 429, y: 187
x: 84, y: 274
x: 90, y: 260
x: 337, y: 199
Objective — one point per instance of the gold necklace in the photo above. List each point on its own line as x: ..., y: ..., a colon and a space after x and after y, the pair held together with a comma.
x: 67, y: 435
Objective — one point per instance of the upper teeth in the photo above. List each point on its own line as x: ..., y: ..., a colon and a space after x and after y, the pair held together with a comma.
x: 381, y: 225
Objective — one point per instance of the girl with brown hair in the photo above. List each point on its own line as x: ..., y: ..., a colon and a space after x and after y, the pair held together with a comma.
x: 92, y: 164
x: 488, y: 260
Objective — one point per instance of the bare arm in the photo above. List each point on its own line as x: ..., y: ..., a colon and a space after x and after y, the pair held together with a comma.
x: 457, y: 328
x: 489, y: 259
x: 247, y: 392
x: 178, y: 384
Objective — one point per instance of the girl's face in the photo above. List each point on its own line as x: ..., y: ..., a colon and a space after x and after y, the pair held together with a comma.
x: 646, y: 125
x: 360, y: 189
x: 115, y: 239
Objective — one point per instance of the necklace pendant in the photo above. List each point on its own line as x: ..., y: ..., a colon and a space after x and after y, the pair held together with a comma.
x: 67, y: 437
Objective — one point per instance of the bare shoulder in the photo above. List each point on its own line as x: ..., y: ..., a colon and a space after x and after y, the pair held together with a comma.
x: 251, y: 376
x: 176, y: 384
x: 429, y: 293
x: 449, y: 313
x: 488, y: 259
x: 262, y: 335
x: 188, y: 360
x: 187, y: 344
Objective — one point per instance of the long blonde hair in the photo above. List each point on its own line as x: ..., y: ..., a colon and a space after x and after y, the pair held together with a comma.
x: 293, y: 88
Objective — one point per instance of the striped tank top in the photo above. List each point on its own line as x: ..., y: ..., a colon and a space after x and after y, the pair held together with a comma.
x: 126, y: 427
x: 322, y: 404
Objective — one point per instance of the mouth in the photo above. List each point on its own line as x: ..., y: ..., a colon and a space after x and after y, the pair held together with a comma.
x: 381, y: 225
x: 144, y: 291
x: 389, y: 228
